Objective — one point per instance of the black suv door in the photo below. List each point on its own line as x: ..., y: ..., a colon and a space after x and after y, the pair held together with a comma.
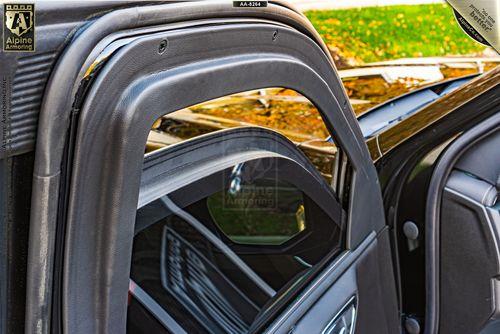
x: 328, y: 269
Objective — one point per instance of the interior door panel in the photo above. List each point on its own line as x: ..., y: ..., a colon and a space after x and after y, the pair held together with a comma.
x: 470, y: 255
x: 171, y: 89
x: 469, y: 222
x: 71, y: 39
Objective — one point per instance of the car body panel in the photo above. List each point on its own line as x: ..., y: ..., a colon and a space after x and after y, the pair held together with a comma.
x: 379, y: 145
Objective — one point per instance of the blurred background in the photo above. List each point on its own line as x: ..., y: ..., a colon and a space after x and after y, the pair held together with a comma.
x: 377, y: 30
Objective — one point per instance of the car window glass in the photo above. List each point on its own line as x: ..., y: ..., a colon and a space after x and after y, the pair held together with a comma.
x: 261, y: 212
x: 217, y: 264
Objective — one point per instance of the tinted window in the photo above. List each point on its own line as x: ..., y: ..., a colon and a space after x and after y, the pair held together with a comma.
x: 218, y: 254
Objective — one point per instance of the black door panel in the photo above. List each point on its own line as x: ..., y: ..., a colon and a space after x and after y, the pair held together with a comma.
x: 470, y: 229
x: 108, y: 89
x: 467, y: 221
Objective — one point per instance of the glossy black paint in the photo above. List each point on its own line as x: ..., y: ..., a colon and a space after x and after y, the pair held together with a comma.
x: 385, y: 115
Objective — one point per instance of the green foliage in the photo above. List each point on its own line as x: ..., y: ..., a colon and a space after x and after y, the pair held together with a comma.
x: 380, y: 33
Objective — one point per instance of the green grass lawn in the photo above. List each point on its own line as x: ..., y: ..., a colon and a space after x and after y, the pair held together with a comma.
x: 381, y: 33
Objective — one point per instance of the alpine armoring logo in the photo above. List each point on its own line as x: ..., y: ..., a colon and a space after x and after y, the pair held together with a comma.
x: 19, y: 27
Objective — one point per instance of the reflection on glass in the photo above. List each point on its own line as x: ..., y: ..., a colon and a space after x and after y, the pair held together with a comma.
x: 261, y: 212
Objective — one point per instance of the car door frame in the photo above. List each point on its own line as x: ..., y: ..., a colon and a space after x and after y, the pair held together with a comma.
x: 110, y: 135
